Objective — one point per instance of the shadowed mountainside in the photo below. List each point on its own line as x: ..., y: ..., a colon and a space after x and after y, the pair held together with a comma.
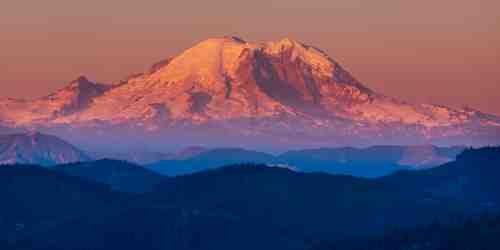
x: 249, y: 207
x: 119, y: 175
x: 35, y: 200
x: 473, y: 233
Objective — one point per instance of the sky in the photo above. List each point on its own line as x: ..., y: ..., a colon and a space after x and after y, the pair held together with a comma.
x: 433, y: 51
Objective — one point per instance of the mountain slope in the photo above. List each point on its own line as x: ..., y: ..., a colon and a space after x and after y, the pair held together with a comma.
x: 274, y: 93
x: 141, y: 158
x: 260, y: 207
x: 210, y: 159
x: 474, y: 233
x: 147, y: 158
x: 73, y: 98
x: 119, y: 175
x: 472, y: 177
x: 36, y: 148
x: 35, y: 199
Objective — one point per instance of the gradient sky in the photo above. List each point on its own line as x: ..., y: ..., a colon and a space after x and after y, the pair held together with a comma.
x: 437, y: 51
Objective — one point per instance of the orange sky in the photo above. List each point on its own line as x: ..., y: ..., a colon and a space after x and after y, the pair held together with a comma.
x: 440, y: 51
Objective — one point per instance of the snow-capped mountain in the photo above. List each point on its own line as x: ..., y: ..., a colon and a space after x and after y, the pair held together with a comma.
x: 36, y: 148
x: 227, y: 91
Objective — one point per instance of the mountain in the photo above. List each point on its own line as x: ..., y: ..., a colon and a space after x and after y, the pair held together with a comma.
x: 210, y: 159
x: 147, y: 158
x: 119, y: 175
x: 141, y: 158
x: 427, y: 156
x: 226, y: 92
x: 189, y: 152
x: 407, y: 197
x: 248, y: 207
x: 472, y: 177
x: 37, y: 148
x: 372, y: 161
x: 363, y: 162
x: 35, y: 199
x: 473, y: 233
x: 75, y: 97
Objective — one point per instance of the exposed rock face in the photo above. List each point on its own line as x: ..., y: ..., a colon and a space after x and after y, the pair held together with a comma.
x: 284, y: 91
x: 75, y: 97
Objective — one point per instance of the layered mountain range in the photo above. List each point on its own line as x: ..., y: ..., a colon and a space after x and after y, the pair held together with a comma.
x: 48, y: 151
x: 373, y: 161
x: 226, y: 91
x: 247, y: 207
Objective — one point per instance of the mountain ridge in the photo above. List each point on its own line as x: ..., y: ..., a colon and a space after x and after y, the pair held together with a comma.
x: 369, y: 162
x: 268, y: 207
x: 120, y: 176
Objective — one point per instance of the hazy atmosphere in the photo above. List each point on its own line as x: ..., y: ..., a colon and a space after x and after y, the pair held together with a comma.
x: 250, y: 124
x: 445, y: 52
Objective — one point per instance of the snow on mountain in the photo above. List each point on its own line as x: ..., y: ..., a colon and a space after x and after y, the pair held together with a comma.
x: 75, y: 97
x: 36, y: 148
x: 284, y: 90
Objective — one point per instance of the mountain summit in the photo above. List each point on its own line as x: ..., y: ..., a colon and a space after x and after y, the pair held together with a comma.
x: 279, y: 92
x: 227, y: 78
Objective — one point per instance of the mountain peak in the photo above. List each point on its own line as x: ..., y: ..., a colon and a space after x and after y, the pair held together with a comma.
x: 77, y: 95
x: 235, y: 39
x: 293, y: 44
x: 255, y: 89
x: 81, y: 86
x: 81, y: 81
x: 221, y: 41
x: 289, y: 42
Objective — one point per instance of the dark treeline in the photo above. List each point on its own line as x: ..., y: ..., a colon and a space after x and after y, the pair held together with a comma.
x: 251, y: 207
x: 481, y: 233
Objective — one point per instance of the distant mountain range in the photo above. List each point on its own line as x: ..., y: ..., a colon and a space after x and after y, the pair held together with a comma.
x: 241, y: 207
x: 47, y: 150
x: 366, y: 162
x: 146, y: 158
x: 226, y: 92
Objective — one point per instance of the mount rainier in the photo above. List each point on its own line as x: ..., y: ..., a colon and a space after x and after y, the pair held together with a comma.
x: 226, y: 91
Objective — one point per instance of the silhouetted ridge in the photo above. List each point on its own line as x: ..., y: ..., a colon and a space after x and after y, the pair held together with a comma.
x: 365, y: 162
x: 249, y: 207
x: 119, y: 175
x: 210, y: 159
x: 485, y: 153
